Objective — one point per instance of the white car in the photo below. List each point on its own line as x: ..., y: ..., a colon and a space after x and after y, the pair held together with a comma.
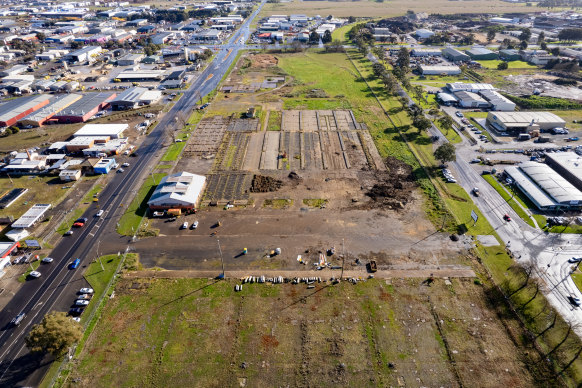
x: 184, y: 225
x: 47, y: 260
x: 35, y: 274
x: 99, y: 213
x: 86, y: 291
x: 76, y: 319
x: 125, y: 165
x: 194, y: 225
x: 81, y: 302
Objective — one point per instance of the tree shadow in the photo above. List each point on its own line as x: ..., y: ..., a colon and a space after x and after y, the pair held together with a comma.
x: 15, y: 372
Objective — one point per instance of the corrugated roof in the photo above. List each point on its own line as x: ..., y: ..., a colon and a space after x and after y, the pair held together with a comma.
x: 86, y: 104
x: 541, y: 199
x: 182, y: 187
x: 525, y: 118
x: 558, y: 188
x: 56, y: 105
x: 570, y: 161
x: 15, y: 107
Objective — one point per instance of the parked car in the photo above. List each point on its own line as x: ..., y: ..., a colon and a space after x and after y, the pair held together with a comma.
x: 125, y: 165
x: 85, y: 296
x: 34, y: 274
x: 47, y: 260
x: 76, y: 311
x: 69, y: 233
x: 194, y: 225
x: 458, y: 114
x: 86, y: 290
x: 81, y: 302
x: 75, y: 264
x: 120, y: 170
x: 574, y: 260
x: 184, y: 225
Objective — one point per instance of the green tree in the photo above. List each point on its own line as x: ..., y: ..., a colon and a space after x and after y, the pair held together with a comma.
x: 326, y: 37
x: 446, y: 122
x: 55, y: 334
x: 490, y: 35
x: 403, y: 60
x: 555, y: 51
x: 544, y: 46
x: 541, y: 37
x: 525, y: 35
x: 502, y: 66
x: 445, y: 153
x: 313, y: 37
x: 421, y: 123
x: 523, y: 45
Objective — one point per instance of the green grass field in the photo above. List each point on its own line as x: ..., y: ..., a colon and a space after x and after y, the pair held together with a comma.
x: 199, y: 332
x: 41, y: 189
x: 173, y: 152
x: 130, y: 220
x: 492, y: 64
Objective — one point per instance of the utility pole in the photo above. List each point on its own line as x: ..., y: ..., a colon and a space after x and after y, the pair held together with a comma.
x: 221, y: 258
x: 343, y: 258
x: 98, y: 256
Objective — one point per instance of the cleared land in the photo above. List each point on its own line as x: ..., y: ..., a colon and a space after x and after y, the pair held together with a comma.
x: 201, y: 333
x: 390, y: 8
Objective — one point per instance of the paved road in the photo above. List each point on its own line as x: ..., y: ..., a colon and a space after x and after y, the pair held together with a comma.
x: 57, y: 285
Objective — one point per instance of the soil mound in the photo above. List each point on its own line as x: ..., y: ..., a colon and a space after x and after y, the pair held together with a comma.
x: 265, y: 184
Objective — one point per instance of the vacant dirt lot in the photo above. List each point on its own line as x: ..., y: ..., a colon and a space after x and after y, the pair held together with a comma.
x: 199, y: 333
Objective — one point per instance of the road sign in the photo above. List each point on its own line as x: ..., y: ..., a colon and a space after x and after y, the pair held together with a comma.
x: 474, y: 216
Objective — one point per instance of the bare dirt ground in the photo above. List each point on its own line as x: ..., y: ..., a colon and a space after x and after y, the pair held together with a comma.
x: 525, y: 84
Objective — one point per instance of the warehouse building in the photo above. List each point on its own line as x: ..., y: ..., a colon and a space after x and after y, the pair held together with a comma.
x: 182, y: 190
x: 85, y: 108
x: 88, y: 53
x: 481, y: 53
x: 140, y: 75
x: 523, y: 122
x: 130, y: 59
x: 567, y: 164
x: 471, y: 100
x: 439, y: 69
x: 14, y: 110
x: 455, y: 55
x: 114, y: 131
x: 426, y: 52
x: 446, y: 99
x: 463, y: 87
x: 509, y: 55
x: 129, y: 99
x: 498, y: 102
x: 32, y: 216
x: 43, y: 115
x: 547, y: 189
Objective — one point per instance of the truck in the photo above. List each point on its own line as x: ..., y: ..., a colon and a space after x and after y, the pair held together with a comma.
x: 373, y: 266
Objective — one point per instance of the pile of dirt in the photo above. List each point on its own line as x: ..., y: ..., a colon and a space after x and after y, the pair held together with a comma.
x: 393, y: 187
x: 263, y: 61
x: 265, y: 184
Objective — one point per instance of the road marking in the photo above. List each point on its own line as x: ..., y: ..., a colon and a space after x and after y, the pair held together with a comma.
x: 227, y: 55
x: 209, y: 77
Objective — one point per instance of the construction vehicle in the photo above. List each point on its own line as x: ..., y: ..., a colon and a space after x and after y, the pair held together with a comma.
x: 373, y: 266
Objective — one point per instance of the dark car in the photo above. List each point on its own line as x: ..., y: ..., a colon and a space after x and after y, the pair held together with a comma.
x: 83, y: 220
x: 76, y: 311
x: 575, y: 301
x: 507, y: 217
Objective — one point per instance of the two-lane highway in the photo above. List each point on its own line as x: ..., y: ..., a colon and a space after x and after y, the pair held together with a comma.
x: 39, y: 296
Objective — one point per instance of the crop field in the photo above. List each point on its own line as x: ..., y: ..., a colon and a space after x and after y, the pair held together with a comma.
x: 200, y: 333
x: 390, y: 8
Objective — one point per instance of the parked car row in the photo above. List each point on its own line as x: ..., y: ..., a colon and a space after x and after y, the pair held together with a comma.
x: 449, y: 176
x: 82, y: 300
x: 193, y: 226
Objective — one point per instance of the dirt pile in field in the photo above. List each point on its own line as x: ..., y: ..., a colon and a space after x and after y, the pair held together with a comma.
x: 265, y: 184
x: 393, y: 188
x: 263, y: 61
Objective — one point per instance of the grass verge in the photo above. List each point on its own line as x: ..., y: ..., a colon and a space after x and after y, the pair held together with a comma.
x: 32, y: 267
x: 173, y: 152
x: 509, y: 199
x: 130, y: 220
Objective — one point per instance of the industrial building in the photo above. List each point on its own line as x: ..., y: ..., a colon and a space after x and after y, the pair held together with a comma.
x: 522, y: 122
x: 446, y: 99
x: 114, y: 131
x: 178, y: 191
x: 140, y: 75
x: 70, y: 175
x: 32, y: 216
x: 41, y: 116
x: 85, y: 54
x: 85, y: 108
x: 481, y: 53
x: 439, y: 69
x: 455, y: 55
x: 547, y: 189
x: 509, y: 55
x: 426, y: 52
x: 104, y: 166
x: 498, y: 102
x: 130, y: 59
x: 129, y: 99
x: 471, y: 100
x: 463, y: 87
x: 567, y: 164
x: 14, y: 110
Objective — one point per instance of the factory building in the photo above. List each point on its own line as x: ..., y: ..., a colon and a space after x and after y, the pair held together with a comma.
x: 14, y: 110
x: 439, y: 69
x: 45, y: 114
x: 547, y: 189
x: 85, y: 108
x: 463, y: 87
x: 567, y: 164
x: 455, y: 55
x: 178, y: 191
x: 523, y: 122
x: 114, y: 131
x: 480, y: 53
x: 498, y: 102
x: 134, y: 97
x: 471, y: 100
x: 85, y: 54
x: 104, y: 166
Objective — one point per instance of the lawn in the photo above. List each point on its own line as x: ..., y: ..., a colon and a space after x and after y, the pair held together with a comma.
x: 510, y: 199
x: 199, y: 332
x: 173, y: 152
x: 492, y: 64
x: 274, y: 123
x: 131, y: 219
x: 31, y: 267
x: 68, y: 223
x: 41, y: 189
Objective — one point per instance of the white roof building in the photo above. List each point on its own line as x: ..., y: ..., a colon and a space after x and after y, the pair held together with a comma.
x: 114, y: 131
x: 178, y: 191
x: 32, y: 216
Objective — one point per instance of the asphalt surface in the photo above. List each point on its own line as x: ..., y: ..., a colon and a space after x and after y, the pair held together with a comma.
x: 56, y: 288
